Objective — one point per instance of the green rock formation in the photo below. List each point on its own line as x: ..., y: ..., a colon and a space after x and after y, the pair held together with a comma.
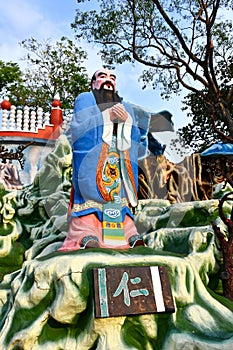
x: 46, y: 297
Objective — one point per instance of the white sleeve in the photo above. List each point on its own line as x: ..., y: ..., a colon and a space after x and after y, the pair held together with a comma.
x: 107, y: 128
x: 124, y: 134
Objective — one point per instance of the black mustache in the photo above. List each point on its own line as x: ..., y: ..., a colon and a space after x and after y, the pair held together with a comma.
x: 107, y: 82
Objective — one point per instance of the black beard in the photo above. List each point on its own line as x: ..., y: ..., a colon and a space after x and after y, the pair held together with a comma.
x: 106, y: 98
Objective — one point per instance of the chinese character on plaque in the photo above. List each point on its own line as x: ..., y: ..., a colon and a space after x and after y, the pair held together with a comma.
x: 135, y: 290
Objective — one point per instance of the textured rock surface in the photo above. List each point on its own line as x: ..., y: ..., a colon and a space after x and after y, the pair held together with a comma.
x: 50, y: 305
x: 35, y: 216
x: 46, y: 302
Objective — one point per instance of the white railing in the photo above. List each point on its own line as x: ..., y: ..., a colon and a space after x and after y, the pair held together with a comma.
x: 29, y: 120
x: 24, y: 119
x: 67, y: 117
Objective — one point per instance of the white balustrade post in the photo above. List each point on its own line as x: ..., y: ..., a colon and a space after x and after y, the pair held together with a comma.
x: 66, y: 119
x: 47, y: 118
x: 4, y: 119
x: 12, y: 120
x: 39, y: 118
x: 25, y: 120
x: 33, y: 121
x: 19, y: 119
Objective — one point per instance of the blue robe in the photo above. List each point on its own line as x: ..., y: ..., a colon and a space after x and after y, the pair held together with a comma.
x: 87, y: 141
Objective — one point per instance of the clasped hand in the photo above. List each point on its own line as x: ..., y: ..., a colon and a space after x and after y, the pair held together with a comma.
x: 118, y: 112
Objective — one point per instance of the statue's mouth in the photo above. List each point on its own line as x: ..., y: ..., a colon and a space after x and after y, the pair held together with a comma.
x: 107, y: 85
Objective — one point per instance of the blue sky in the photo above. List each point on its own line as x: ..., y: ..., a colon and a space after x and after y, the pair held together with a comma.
x: 43, y: 19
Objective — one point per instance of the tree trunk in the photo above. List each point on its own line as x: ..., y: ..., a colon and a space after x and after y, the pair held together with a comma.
x: 226, y: 113
x: 227, y: 273
x: 227, y: 246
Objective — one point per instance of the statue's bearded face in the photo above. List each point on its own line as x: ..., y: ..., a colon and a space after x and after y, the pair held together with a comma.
x: 105, y: 79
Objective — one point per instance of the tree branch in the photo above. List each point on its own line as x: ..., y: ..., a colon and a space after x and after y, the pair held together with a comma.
x: 177, y: 33
x: 224, y: 136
